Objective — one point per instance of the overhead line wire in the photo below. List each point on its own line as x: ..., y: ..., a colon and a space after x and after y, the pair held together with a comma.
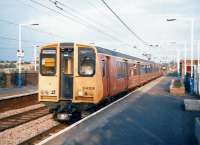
x: 40, y: 31
x: 82, y: 16
x: 123, y: 23
x: 15, y: 39
x: 71, y: 18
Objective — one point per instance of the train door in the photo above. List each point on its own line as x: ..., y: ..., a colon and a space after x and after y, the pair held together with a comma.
x: 126, y: 76
x: 105, y: 76
x: 66, y: 77
x: 138, y: 73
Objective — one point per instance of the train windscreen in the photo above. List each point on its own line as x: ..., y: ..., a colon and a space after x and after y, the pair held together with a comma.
x: 48, y: 62
x: 86, y: 62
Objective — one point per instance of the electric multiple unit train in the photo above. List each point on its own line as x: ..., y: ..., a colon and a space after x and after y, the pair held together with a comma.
x: 74, y: 76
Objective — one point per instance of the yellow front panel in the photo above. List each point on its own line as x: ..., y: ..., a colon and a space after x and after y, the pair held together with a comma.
x: 48, y: 88
x: 49, y: 85
x: 87, y: 89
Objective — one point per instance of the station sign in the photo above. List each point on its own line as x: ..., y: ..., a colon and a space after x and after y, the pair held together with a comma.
x: 20, y: 53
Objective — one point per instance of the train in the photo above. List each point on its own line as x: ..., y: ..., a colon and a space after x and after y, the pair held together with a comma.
x: 75, y: 76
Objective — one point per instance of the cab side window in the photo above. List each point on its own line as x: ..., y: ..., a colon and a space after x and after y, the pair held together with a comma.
x: 86, y: 62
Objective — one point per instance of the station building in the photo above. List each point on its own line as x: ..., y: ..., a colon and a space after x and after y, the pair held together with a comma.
x: 188, y: 66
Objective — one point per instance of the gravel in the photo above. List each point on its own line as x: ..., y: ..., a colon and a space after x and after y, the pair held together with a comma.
x: 26, y: 131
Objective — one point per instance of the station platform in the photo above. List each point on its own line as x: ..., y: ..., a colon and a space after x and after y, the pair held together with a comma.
x: 6, y: 93
x: 147, y: 116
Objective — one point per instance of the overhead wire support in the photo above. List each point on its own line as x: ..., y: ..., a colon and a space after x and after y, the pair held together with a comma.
x: 66, y: 15
x: 123, y: 23
x: 56, y: 3
x: 55, y: 11
x: 86, y: 22
x: 72, y: 18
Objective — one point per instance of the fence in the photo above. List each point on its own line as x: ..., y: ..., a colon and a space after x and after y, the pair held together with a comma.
x: 10, y: 79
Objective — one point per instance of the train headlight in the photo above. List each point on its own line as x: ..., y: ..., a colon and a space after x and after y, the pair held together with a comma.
x: 44, y: 92
x: 80, y: 93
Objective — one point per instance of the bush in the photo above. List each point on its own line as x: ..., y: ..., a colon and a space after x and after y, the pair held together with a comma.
x: 177, y: 83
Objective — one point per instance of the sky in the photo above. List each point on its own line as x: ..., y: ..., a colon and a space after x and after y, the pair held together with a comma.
x: 89, y: 21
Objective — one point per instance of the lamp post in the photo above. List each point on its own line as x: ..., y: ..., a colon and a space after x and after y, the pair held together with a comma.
x: 177, y: 59
x: 35, y: 56
x: 198, y: 53
x: 185, y: 55
x: 20, y: 53
x: 192, y: 37
x: 185, y: 58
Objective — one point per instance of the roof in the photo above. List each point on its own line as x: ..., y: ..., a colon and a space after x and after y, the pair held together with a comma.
x: 118, y: 54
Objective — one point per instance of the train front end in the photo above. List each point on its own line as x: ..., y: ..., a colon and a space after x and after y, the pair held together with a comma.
x: 70, y: 78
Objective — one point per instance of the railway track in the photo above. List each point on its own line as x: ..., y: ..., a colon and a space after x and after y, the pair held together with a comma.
x: 18, y: 101
x: 36, y: 139
x: 21, y: 118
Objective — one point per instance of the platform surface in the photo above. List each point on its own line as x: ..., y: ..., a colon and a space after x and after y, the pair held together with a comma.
x: 8, y: 92
x: 150, y: 116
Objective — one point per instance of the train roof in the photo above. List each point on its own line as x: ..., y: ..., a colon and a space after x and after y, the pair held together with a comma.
x: 111, y: 52
x: 118, y: 54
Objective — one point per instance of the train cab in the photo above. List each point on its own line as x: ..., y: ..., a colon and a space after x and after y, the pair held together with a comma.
x: 69, y: 74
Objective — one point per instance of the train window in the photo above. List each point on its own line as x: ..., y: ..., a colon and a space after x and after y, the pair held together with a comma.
x: 142, y: 69
x: 67, y: 61
x: 135, y: 69
x: 150, y: 67
x: 121, y: 69
x: 86, y: 62
x: 48, y: 62
x: 147, y: 69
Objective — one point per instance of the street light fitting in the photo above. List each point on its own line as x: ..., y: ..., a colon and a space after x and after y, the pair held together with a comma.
x: 35, y: 24
x: 36, y: 46
x: 171, y: 19
x: 156, y: 45
x: 29, y: 24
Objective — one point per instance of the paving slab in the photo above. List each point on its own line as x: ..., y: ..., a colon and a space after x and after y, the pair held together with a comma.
x: 192, y: 104
x: 12, y: 92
